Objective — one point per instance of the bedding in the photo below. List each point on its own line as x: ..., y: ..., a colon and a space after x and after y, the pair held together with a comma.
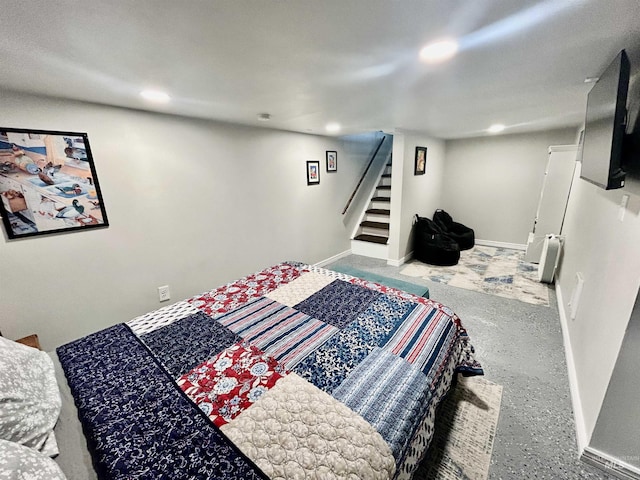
x: 292, y: 372
x: 18, y: 462
x: 29, y: 397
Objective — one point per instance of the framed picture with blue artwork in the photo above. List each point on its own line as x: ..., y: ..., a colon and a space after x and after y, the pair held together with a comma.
x: 332, y: 161
x: 313, y: 172
x: 48, y: 183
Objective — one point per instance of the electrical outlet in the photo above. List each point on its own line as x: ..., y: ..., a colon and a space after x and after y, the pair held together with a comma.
x: 163, y: 293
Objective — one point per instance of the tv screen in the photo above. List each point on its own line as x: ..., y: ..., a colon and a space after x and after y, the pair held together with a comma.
x: 604, y: 130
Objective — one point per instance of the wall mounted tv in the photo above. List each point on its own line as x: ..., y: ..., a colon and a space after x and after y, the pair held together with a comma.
x: 605, y: 126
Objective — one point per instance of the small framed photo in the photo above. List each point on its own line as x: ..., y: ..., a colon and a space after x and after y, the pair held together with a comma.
x: 332, y: 161
x: 313, y: 172
x: 421, y: 161
x: 48, y: 183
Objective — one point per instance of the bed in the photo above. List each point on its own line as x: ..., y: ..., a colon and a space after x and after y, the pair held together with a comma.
x: 292, y: 372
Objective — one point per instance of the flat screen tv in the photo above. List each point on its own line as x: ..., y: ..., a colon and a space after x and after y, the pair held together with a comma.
x: 605, y: 126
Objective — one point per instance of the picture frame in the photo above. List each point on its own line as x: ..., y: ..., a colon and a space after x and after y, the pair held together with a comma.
x: 313, y: 172
x: 48, y: 183
x: 420, y: 161
x: 332, y: 160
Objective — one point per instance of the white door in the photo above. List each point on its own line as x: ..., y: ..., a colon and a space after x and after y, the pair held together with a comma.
x: 553, y: 198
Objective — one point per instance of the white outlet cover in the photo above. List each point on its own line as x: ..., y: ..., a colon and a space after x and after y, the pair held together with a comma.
x: 164, y: 293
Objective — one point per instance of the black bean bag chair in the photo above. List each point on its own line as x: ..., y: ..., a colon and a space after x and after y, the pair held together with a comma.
x: 460, y: 233
x: 431, y: 245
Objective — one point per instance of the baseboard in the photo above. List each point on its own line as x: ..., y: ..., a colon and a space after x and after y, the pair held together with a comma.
x: 402, y: 261
x: 491, y: 243
x: 609, y: 464
x: 581, y: 431
x: 329, y: 260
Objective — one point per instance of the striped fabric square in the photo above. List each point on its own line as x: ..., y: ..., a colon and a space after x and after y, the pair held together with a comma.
x: 159, y: 318
x: 389, y: 393
x: 282, y: 332
x: 299, y: 289
x: 423, y: 339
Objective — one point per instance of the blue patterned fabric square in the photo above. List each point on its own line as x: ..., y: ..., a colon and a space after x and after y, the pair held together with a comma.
x: 384, y: 316
x: 338, y: 304
x: 138, y: 424
x: 330, y: 364
x: 187, y: 343
x: 389, y: 393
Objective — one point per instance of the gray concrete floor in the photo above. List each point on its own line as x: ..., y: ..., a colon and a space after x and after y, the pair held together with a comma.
x: 520, y: 347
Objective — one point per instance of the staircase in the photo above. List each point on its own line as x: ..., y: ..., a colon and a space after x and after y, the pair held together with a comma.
x: 372, y: 234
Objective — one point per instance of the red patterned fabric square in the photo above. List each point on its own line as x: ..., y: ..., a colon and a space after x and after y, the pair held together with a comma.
x: 227, y: 298
x: 231, y: 381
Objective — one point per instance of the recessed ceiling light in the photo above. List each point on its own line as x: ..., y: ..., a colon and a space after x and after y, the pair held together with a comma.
x: 264, y: 117
x: 439, y: 51
x: 496, y: 128
x: 155, y: 96
x: 332, y: 127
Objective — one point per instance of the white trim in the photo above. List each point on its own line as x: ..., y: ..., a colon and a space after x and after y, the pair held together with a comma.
x: 581, y: 429
x: 562, y: 148
x: 491, y: 243
x: 329, y: 260
x: 402, y: 261
x: 370, y: 249
x: 610, y: 464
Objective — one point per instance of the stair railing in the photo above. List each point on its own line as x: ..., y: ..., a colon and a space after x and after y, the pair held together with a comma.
x: 355, y: 190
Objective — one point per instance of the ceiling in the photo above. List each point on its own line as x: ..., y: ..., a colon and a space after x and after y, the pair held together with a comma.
x: 521, y: 63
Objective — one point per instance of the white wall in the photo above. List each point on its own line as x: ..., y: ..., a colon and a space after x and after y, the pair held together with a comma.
x: 605, y: 251
x: 492, y: 184
x: 412, y: 194
x: 191, y: 204
x: 616, y: 431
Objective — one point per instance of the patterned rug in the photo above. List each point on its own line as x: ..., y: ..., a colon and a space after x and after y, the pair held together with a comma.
x: 464, y: 433
x: 496, y: 271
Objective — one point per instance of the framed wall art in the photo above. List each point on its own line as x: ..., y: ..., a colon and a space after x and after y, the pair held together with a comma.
x: 421, y: 161
x: 313, y: 172
x: 48, y: 183
x: 332, y: 161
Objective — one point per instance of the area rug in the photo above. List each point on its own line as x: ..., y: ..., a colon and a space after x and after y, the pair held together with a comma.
x: 496, y: 271
x: 464, y: 432
x: 419, y: 290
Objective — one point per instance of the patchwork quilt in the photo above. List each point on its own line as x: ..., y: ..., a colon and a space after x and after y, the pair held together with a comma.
x: 292, y: 372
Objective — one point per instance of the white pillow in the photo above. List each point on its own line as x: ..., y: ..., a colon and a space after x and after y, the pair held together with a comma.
x: 18, y: 462
x: 29, y: 397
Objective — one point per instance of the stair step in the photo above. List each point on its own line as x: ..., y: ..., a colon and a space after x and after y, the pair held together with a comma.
x: 370, y: 224
x: 378, y: 211
x: 386, y: 175
x: 381, y: 199
x: 372, y: 238
x: 384, y: 187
